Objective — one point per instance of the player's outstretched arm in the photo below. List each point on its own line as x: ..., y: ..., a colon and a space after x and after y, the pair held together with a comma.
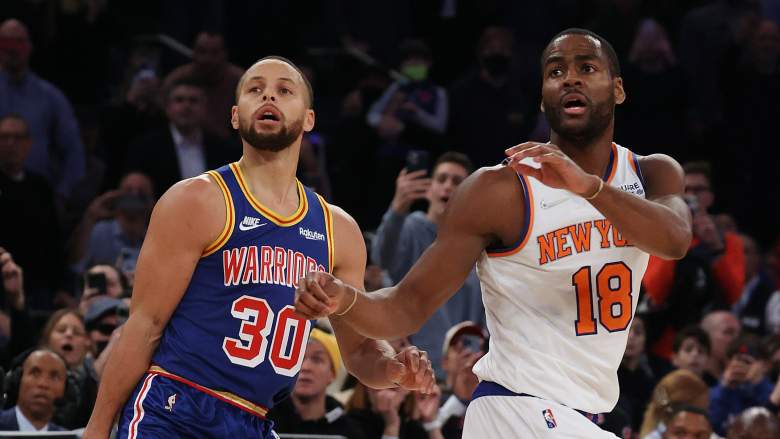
x: 659, y: 224
x: 486, y: 208
x: 374, y: 362
x: 184, y: 222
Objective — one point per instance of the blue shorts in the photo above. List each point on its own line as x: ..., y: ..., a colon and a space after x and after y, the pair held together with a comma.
x: 161, y: 407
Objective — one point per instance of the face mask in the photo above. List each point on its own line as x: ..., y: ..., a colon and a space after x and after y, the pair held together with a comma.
x: 416, y: 72
x: 496, y: 64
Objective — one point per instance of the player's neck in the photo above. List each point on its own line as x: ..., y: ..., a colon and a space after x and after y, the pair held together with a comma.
x: 310, y: 408
x: 271, y: 176
x: 592, y: 156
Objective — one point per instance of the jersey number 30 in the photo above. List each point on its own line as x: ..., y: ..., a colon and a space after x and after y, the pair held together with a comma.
x: 613, y: 289
x: 256, y: 322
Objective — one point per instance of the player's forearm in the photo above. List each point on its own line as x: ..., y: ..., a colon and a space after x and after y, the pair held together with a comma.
x: 366, y: 364
x: 125, y: 366
x: 651, y: 226
x: 381, y: 315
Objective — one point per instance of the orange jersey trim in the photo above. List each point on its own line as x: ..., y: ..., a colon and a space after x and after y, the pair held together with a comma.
x: 329, y: 232
x: 282, y: 221
x: 529, y: 204
x: 614, y: 164
x: 230, y: 217
x: 230, y: 398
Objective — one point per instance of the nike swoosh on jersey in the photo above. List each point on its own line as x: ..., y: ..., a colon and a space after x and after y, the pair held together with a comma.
x: 244, y: 227
x: 550, y: 204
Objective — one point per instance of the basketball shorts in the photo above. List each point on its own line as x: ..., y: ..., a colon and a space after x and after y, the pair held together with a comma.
x: 497, y: 412
x: 161, y: 407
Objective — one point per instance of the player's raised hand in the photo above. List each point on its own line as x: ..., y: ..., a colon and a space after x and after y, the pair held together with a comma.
x: 556, y: 169
x: 411, y: 370
x: 320, y: 294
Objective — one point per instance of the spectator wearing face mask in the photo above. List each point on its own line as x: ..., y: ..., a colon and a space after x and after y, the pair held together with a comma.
x: 496, y: 104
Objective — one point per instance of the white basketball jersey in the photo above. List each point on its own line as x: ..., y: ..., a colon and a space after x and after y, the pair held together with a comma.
x: 560, y: 302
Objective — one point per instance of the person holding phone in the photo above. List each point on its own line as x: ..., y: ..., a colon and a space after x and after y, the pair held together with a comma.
x: 404, y: 235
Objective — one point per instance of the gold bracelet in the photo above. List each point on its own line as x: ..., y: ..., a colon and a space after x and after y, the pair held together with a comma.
x: 598, y: 191
x: 354, y: 300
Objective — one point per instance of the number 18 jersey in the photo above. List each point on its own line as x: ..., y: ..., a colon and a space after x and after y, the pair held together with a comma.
x: 559, y: 303
x: 235, y: 333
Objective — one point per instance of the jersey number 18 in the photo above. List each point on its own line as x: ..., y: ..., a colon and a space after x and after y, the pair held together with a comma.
x: 613, y: 289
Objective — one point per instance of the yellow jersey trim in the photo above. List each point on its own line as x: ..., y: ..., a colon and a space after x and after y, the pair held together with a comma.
x: 230, y: 217
x: 282, y: 221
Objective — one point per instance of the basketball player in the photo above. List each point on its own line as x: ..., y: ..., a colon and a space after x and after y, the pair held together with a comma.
x: 213, y: 340
x: 561, y: 237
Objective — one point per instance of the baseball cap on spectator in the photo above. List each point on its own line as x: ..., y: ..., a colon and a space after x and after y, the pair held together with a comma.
x: 746, y: 345
x: 99, y: 307
x: 328, y: 341
x: 462, y: 328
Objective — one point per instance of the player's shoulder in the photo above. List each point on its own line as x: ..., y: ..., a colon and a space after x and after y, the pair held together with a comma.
x: 198, y: 196
x: 489, y: 184
x: 659, y: 167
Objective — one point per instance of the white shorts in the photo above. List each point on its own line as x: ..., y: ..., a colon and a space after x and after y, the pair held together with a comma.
x: 527, y: 417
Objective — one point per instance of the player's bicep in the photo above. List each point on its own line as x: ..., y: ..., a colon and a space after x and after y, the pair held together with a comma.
x: 183, y: 223
x: 665, y: 183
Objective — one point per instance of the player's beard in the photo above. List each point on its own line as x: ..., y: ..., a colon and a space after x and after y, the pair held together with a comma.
x: 600, y: 117
x: 273, y: 142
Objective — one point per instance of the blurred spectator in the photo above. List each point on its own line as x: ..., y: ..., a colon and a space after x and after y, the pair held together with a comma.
x: 691, y: 351
x: 395, y: 413
x: 312, y: 169
x: 309, y: 410
x: 744, y: 383
x: 114, y: 226
x: 403, y: 237
x: 464, y: 344
x: 13, y: 303
x: 101, y: 281
x: 754, y: 93
x: 218, y: 78
x: 497, y: 104
x: 41, y: 381
x: 101, y: 320
x: 638, y: 373
x: 652, y: 120
x: 182, y: 149
x: 709, y: 34
x: 725, y: 250
x: 413, y: 113
x: 28, y: 215
x: 687, y: 422
x: 772, y: 316
x: 680, y: 387
x: 56, y: 152
x: 138, y: 111
x: 65, y: 334
x: 752, y: 305
x: 754, y: 423
x: 722, y: 327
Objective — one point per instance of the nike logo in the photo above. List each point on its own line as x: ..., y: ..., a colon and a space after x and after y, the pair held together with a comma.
x: 250, y: 223
x: 550, y: 204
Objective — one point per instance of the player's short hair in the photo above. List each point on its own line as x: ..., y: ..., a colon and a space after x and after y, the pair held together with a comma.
x: 309, y: 89
x: 693, y: 332
x: 614, y: 63
x: 700, y: 167
x: 457, y: 158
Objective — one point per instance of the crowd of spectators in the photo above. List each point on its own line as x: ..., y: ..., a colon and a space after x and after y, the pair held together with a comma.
x: 104, y: 105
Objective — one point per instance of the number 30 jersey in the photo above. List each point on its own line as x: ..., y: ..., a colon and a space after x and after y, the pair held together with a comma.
x: 559, y: 303
x: 235, y: 334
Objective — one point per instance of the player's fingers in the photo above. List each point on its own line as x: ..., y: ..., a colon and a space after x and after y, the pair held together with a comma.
x: 520, y: 147
x: 413, y: 356
x: 314, y: 288
x: 529, y: 171
x: 318, y: 306
x: 533, y: 151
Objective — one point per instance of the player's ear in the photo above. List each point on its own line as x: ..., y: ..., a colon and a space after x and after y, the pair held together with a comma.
x: 308, y: 120
x: 620, y: 93
x: 234, y: 117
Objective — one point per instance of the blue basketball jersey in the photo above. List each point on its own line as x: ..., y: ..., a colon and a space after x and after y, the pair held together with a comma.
x: 235, y: 334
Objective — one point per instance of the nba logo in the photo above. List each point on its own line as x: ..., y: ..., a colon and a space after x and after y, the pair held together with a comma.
x: 549, y: 418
